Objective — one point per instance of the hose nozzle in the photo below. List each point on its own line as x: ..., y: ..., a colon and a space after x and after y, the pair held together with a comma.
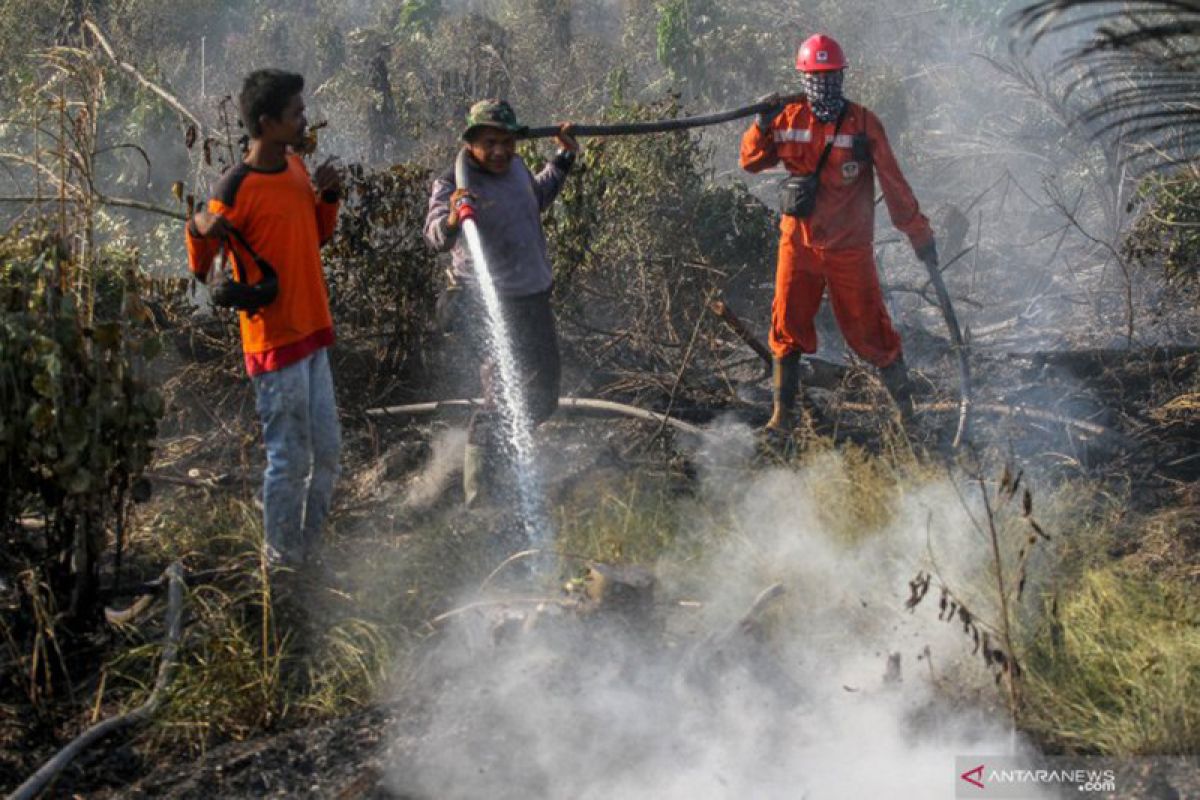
x: 465, y: 209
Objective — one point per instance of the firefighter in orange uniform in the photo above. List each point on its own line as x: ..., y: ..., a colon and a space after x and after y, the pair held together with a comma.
x: 827, y: 232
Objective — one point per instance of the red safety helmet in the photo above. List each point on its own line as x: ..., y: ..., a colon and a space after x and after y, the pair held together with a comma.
x: 820, y: 53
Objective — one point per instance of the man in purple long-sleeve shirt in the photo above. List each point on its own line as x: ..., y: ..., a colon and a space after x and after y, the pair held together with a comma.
x: 508, y: 200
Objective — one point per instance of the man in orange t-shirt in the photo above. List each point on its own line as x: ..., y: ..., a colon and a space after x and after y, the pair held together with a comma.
x: 830, y: 245
x: 267, y: 208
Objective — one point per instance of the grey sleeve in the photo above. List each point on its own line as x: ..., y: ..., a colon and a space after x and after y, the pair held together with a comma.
x: 549, y: 182
x: 436, y: 234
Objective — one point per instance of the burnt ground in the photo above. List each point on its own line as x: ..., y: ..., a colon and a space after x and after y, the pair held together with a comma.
x: 349, y: 758
x: 1147, y: 404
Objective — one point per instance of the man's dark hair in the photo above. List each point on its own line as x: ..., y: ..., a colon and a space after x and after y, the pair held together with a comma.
x: 267, y: 91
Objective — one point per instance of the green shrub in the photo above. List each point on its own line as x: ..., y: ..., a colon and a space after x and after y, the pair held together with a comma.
x: 77, y: 412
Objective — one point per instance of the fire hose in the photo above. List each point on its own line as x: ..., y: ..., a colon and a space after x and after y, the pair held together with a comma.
x: 664, y: 125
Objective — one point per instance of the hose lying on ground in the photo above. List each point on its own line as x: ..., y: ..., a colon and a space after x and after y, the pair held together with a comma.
x: 143, y: 713
x: 607, y: 408
x: 576, y: 405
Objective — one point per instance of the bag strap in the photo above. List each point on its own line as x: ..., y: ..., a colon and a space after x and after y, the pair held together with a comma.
x: 829, y: 145
x: 263, y: 265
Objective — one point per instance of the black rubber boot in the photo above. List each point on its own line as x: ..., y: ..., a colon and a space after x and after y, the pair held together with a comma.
x: 785, y: 373
x: 899, y: 385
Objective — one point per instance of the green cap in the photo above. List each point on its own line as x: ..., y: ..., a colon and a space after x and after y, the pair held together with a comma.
x: 493, y: 114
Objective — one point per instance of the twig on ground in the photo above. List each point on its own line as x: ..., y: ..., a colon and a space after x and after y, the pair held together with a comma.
x: 50, y: 770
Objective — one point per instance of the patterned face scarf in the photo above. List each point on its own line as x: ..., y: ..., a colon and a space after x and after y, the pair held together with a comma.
x: 824, y: 90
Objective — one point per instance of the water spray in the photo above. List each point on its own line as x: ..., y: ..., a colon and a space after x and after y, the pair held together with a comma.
x: 514, y: 415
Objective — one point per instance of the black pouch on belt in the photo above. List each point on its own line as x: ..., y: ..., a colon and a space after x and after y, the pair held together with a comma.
x: 798, y: 193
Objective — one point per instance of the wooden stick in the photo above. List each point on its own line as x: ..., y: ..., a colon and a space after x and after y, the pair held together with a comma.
x: 119, y: 202
x: 725, y: 313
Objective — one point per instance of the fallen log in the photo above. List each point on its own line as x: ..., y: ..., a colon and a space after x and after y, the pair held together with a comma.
x: 143, y: 713
x: 571, y: 405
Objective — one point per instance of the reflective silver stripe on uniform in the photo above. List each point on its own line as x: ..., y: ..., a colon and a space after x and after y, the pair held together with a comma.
x: 789, y: 135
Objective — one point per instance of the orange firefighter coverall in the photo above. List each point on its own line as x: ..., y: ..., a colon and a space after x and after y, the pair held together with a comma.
x: 833, y: 246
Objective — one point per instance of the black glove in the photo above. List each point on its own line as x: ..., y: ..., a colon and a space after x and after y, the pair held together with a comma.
x: 763, y: 118
x: 564, y: 159
x: 928, y: 253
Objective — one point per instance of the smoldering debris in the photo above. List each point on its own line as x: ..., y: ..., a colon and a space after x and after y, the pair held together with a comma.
x: 778, y: 677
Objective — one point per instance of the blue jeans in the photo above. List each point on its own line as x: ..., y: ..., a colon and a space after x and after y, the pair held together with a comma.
x: 303, y: 441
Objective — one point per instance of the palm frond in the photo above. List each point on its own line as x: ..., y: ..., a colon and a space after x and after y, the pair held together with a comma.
x: 1140, y: 69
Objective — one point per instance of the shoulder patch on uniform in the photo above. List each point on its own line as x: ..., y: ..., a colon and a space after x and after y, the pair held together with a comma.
x: 227, y: 187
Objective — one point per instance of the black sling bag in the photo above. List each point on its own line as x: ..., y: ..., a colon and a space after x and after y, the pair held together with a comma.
x: 233, y: 291
x: 798, y: 193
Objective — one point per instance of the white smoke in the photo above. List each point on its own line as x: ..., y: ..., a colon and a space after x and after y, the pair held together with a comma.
x: 603, y: 708
x: 445, y: 459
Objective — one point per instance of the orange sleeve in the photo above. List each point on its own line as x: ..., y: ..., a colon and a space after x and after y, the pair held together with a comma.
x: 901, y: 202
x: 758, y: 149
x: 201, y: 252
